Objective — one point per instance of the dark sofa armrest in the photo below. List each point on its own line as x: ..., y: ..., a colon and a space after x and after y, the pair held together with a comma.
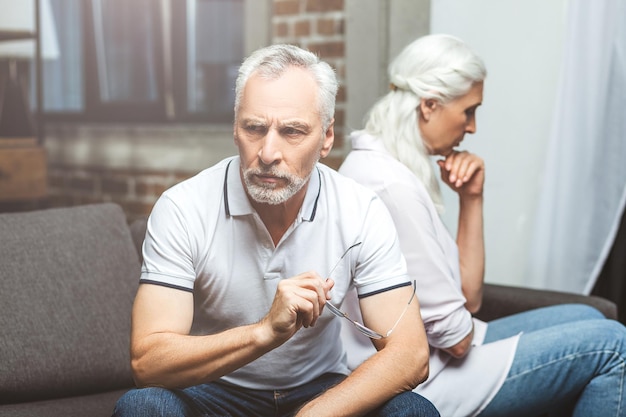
x: 502, y: 300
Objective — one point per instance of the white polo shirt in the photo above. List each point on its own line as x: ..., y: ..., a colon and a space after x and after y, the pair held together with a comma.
x: 457, y: 387
x: 204, y: 236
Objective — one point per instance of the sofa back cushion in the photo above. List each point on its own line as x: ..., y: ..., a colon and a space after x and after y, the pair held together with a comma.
x: 68, y: 277
x: 138, y: 231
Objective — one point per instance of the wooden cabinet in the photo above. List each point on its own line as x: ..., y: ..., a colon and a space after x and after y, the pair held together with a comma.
x: 23, y: 164
x: 23, y: 173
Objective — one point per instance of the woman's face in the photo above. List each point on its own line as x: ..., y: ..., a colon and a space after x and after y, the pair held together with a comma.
x: 443, y: 126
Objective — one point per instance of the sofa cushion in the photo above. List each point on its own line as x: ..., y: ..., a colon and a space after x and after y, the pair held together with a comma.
x: 504, y: 300
x: 68, y: 279
x: 94, y: 405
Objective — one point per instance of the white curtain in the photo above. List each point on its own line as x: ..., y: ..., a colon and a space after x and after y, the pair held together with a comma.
x: 583, y: 190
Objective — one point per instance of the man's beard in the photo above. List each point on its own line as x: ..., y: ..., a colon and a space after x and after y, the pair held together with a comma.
x: 273, y: 193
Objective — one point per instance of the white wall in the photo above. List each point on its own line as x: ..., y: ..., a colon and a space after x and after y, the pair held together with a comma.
x: 377, y: 30
x: 521, y: 43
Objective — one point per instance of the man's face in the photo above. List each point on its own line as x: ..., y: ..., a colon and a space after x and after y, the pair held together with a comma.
x: 279, y: 134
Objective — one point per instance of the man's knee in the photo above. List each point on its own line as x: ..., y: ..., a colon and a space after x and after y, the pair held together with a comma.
x: 155, y: 402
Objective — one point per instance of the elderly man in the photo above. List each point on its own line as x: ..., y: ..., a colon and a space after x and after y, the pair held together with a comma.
x: 244, y: 264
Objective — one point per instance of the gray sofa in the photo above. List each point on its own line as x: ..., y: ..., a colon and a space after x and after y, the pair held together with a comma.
x: 69, y: 277
x: 503, y: 300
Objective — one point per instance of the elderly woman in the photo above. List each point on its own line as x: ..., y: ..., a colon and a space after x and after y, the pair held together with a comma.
x: 566, y: 358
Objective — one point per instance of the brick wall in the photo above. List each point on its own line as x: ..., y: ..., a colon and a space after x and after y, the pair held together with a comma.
x: 134, y: 187
x: 319, y: 26
x: 135, y: 190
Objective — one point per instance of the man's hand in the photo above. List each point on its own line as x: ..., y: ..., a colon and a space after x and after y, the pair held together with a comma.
x: 299, y: 301
x: 464, y: 173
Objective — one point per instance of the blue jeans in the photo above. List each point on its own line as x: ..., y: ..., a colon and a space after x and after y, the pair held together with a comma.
x: 570, y: 360
x: 223, y: 400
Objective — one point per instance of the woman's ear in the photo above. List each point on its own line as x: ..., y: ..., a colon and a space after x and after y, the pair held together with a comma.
x: 427, y: 107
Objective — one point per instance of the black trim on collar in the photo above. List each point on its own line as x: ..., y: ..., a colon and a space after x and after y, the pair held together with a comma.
x: 319, y: 190
x: 313, y: 212
x: 226, y: 206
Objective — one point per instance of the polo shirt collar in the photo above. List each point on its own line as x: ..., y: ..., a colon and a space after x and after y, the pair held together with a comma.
x: 236, y: 201
x: 362, y: 140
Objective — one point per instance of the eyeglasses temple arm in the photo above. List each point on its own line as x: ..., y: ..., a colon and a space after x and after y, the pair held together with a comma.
x: 403, y: 312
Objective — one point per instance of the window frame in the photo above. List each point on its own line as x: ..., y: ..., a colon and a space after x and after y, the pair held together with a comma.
x: 95, y: 108
x: 171, y: 73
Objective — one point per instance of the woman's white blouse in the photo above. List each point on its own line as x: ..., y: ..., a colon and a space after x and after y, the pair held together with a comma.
x: 457, y: 387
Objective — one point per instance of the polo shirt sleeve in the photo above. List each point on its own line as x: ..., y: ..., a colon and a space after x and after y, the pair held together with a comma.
x: 166, y: 250
x: 381, y: 265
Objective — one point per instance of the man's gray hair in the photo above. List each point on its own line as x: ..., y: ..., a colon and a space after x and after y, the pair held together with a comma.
x: 272, y: 61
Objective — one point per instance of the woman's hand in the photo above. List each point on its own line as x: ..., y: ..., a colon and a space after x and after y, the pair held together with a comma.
x: 464, y: 172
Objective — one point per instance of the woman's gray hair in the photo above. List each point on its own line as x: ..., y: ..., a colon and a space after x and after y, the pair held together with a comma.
x: 439, y: 67
x: 272, y: 61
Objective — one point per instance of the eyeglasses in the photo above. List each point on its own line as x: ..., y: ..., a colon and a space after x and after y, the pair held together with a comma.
x: 372, y: 334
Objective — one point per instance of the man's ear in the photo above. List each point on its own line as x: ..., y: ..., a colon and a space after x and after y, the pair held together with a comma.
x: 235, y: 137
x: 427, y: 107
x: 329, y: 140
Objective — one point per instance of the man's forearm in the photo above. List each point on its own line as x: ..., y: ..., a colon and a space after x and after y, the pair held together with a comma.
x: 386, y: 374
x: 173, y: 360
